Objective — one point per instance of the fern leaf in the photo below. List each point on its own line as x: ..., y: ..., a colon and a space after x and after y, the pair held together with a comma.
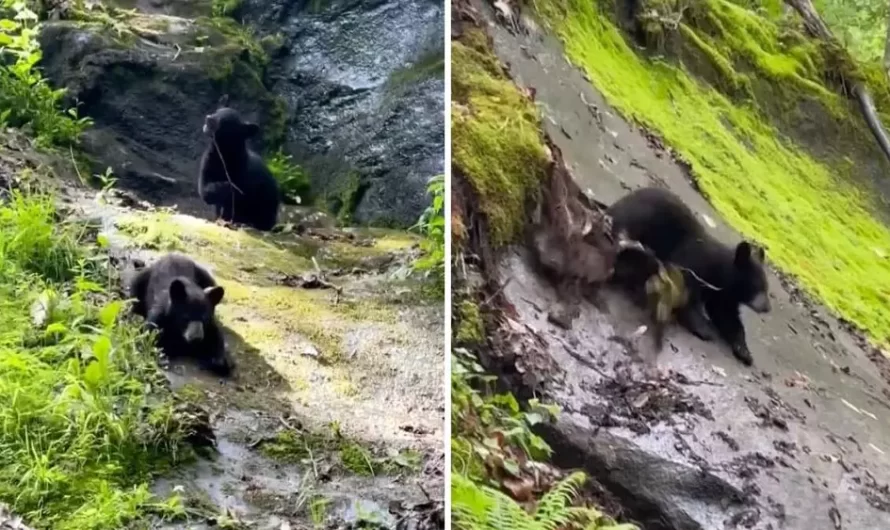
x: 477, y: 507
x: 553, y: 510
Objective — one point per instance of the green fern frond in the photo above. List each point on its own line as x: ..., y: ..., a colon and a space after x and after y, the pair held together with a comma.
x: 553, y: 510
x: 476, y: 507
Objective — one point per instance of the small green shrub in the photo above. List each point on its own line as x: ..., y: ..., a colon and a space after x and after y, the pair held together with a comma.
x: 491, y: 436
x: 26, y: 99
x: 432, y: 225
x: 292, y: 179
x: 224, y: 8
x: 87, y: 417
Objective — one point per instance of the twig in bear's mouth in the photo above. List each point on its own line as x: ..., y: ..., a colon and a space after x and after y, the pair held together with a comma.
x: 226, y: 170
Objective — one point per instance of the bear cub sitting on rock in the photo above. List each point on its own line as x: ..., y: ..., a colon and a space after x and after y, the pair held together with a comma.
x: 178, y: 298
x: 718, y: 277
x: 234, y: 179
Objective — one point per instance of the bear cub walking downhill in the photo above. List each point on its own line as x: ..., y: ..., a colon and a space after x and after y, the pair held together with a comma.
x: 661, y: 221
x: 178, y: 298
x: 234, y: 179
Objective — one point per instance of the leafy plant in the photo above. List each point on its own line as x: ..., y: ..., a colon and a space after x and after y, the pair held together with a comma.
x: 26, y: 99
x: 292, y: 179
x: 87, y: 417
x: 479, y: 507
x: 224, y: 8
x: 493, y: 434
x: 432, y: 225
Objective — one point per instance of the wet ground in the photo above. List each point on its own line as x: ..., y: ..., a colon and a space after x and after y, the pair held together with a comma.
x: 333, y: 417
x: 690, y: 437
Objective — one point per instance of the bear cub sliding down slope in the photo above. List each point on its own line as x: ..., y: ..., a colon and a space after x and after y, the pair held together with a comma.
x: 179, y: 298
x: 662, y: 222
x: 233, y: 179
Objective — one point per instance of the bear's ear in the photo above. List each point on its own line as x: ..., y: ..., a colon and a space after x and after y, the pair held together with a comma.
x: 214, y: 294
x: 177, y: 291
x: 223, y: 101
x: 250, y: 129
x: 759, y: 254
x: 743, y: 254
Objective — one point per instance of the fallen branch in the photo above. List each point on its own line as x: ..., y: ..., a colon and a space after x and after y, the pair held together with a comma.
x: 816, y: 27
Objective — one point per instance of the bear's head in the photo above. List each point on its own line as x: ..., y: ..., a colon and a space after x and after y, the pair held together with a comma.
x: 227, y: 128
x: 750, y: 277
x: 191, y: 308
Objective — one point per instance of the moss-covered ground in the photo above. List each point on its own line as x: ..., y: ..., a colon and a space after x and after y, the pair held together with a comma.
x: 496, y: 137
x: 816, y: 226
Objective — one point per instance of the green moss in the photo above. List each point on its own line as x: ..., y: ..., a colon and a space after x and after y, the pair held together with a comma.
x: 344, y: 454
x: 496, y: 138
x: 344, y: 200
x: 429, y: 65
x: 275, y: 128
x: 155, y: 232
x: 814, y: 225
x: 471, y: 330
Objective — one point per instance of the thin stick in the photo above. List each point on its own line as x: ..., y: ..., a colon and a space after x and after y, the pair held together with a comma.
x: 226, y: 170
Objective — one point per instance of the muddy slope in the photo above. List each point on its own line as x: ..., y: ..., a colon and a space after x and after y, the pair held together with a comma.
x: 798, y: 441
x: 334, y: 414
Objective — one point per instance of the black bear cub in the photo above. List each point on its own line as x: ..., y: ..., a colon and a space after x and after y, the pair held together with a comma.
x: 178, y: 298
x: 234, y: 179
x: 718, y: 277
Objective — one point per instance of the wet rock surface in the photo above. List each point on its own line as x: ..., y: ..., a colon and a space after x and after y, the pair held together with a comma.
x: 364, y: 80
x: 353, y: 89
x: 690, y: 438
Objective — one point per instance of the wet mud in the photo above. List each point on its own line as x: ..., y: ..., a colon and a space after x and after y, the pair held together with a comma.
x: 690, y: 438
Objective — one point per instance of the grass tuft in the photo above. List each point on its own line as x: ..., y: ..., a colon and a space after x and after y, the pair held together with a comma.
x: 85, y: 417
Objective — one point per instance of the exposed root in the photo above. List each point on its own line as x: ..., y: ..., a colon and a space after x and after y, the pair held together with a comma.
x: 570, y: 238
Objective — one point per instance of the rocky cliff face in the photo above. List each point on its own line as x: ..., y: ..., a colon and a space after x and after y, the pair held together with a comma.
x: 353, y: 89
x: 364, y: 81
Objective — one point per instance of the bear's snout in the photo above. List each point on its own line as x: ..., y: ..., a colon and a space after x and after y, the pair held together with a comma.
x: 194, y: 331
x: 760, y: 303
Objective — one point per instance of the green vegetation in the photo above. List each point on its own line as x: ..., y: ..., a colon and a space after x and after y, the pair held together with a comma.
x: 815, y: 225
x: 87, y: 419
x: 292, y: 179
x: 303, y: 447
x: 496, y: 137
x: 428, y: 65
x: 432, y: 226
x: 484, y: 508
x: 861, y: 25
x: 26, y: 99
x: 492, y: 447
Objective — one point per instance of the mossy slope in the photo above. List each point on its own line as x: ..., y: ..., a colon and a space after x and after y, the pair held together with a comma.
x: 307, y: 347
x: 815, y: 225
x: 496, y: 137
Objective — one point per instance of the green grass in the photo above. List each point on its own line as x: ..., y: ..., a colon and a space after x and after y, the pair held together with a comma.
x: 815, y: 226
x: 85, y: 420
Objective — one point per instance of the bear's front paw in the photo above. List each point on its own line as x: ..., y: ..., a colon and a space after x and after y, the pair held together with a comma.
x: 743, y: 354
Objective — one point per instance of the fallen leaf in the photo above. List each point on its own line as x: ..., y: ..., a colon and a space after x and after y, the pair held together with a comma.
x: 520, y: 488
x: 835, y: 517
